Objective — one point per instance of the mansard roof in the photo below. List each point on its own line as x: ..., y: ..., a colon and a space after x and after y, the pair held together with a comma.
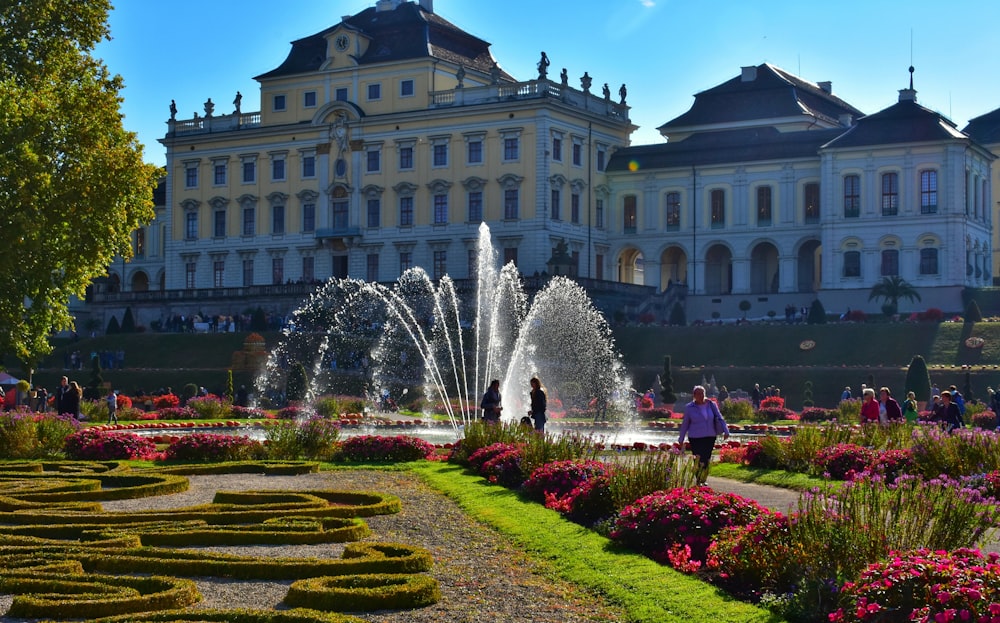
x: 985, y: 129
x: 407, y: 32
x: 725, y: 147
x: 761, y: 93
x: 903, y: 122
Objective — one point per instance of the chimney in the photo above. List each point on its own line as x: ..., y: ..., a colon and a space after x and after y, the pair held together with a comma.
x: 749, y: 74
x: 386, y: 5
x: 826, y: 87
x: 427, y: 5
x: 846, y: 119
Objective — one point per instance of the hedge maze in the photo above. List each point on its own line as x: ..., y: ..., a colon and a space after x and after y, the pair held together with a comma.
x: 63, y: 558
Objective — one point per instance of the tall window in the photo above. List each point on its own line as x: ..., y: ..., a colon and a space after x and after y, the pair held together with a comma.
x: 811, y: 205
x: 852, y: 196
x: 340, y: 94
x: 440, y: 209
x: 405, y: 261
x: 475, y: 199
x: 219, y: 226
x: 191, y: 226
x: 406, y: 211
x: 374, y: 161
x: 218, y: 273
x: 629, y: 215
x: 375, y: 91
x: 602, y: 157
x: 249, y: 221
x: 278, y: 169
x: 556, y: 200
x: 189, y: 275
x: 220, y: 174
x: 718, y: 204
x: 890, y: 194
x: 277, y: 270
x: 371, y: 268
x: 249, y: 172
x: 441, y: 155
x: 510, y: 149
x: 374, y: 212
x: 191, y: 176
x: 309, y: 217
x: 309, y: 99
x: 928, y: 192
x: 578, y: 154
x: 928, y: 261
x: 673, y: 203
x: 440, y: 268
x: 278, y: 220
x: 279, y: 102
x: 247, y: 273
x: 852, y: 263
x: 763, y: 206
x: 510, y: 256
x: 599, y: 266
x: 308, y: 269
x: 511, y: 204
x: 574, y: 207
x: 475, y: 152
x: 308, y: 166
x: 599, y: 213
x: 340, y: 215
x: 406, y: 158
x: 406, y: 88
x: 139, y: 243
x: 557, y: 149
x: 890, y: 262
x: 473, y: 259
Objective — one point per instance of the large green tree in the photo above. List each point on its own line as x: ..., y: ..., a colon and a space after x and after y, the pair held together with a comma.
x: 73, y: 184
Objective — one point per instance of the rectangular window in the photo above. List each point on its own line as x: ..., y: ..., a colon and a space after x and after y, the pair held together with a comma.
x: 577, y: 154
x: 440, y: 209
x: 309, y: 99
x: 219, y: 227
x: 510, y: 256
x: 249, y: 172
x: 278, y: 220
x: 374, y: 212
x: 557, y: 149
x: 277, y: 270
x: 308, y: 269
x: 510, y: 149
x: 440, y: 268
x: 340, y: 217
x: 139, y: 244
x: 374, y: 91
x: 511, y: 204
x: 928, y: 192
x: 890, y: 262
x: 247, y: 273
x: 309, y: 217
x: 371, y: 267
x: 599, y: 265
x: 191, y: 226
x: 852, y: 263
x: 441, y: 155
x: 574, y: 207
x: 928, y: 261
x: 602, y: 157
x: 673, y: 200
x: 405, y: 261
x: 718, y: 205
x: 278, y: 169
x: 220, y: 174
x: 189, y: 275
x: 406, y: 88
x: 279, y: 102
x: 308, y: 166
x: 191, y: 176
x: 890, y: 195
x: 249, y: 221
x: 406, y: 211
x: 475, y: 199
x: 374, y: 161
x: 340, y: 94
x: 810, y: 208
x: 556, y: 200
x: 406, y: 158
x: 219, y: 273
x: 475, y: 152
x: 599, y: 213
x: 629, y: 217
x: 852, y: 196
x: 473, y: 257
x: 764, y: 195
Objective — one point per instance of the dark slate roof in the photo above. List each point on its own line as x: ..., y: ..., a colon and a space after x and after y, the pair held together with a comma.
x: 730, y: 146
x: 903, y: 122
x: 407, y: 32
x: 985, y: 129
x: 774, y: 93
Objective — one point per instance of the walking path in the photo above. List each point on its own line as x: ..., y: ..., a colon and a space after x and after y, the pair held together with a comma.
x: 774, y: 498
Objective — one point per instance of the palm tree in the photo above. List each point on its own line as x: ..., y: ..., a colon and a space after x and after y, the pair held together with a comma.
x: 892, y: 289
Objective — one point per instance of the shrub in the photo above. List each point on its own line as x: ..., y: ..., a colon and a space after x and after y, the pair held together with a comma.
x: 856, y: 315
x: 817, y: 414
x: 177, y: 413
x: 210, y: 407
x: 96, y: 445
x: 166, y: 401
x: 849, y: 411
x: 293, y: 413
x: 557, y: 480
x: 28, y: 435
x: 758, y: 558
x: 933, y: 314
x: 843, y: 460
x: 482, y: 455
x: 504, y: 468
x: 314, y: 438
x: 737, y: 410
x: 773, y: 414
x: 333, y: 406
x: 918, y: 379
x: 986, y: 420
x: 776, y: 402
x: 893, y: 463
x: 379, y: 448
x: 250, y: 413
x: 656, y: 523
x: 209, y: 447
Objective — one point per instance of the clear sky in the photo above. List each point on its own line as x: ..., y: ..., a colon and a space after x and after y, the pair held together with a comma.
x: 665, y: 51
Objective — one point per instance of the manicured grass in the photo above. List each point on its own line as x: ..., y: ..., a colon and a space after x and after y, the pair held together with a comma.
x: 647, y: 592
x: 770, y: 477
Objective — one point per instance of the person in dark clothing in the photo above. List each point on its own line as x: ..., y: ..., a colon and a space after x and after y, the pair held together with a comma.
x: 538, y: 405
x: 951, y: 416
x: 491, y: 403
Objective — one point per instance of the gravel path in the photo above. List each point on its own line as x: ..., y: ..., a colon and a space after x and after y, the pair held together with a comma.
x: 483, y: 576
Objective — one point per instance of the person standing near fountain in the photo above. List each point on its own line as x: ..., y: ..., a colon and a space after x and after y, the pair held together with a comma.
x: 490, y: 403
x: 538, y: 404
x: 702, y: 424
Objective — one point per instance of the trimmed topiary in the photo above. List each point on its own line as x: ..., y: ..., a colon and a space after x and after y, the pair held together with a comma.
x: 360, y: 593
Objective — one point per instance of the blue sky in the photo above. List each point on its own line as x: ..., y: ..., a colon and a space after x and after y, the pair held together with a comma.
x: 664, y: 50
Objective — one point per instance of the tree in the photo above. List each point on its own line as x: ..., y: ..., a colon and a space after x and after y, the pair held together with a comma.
x: 73, y: 184
x: 807, y: 394
x: 113, y: 326
x: 678, y: 317
x: 817, y: 313
x: 297, y: 386
x: 745, y: 307
x: 973, y: 313
x: 93, y: 389
x: 128, y: 321
x: 667, y: 383
x: 229, y: 386
x: 918, y: 379
x: 891, y: 289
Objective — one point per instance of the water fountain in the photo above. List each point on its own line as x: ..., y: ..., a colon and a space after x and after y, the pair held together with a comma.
x: 453, y: 343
